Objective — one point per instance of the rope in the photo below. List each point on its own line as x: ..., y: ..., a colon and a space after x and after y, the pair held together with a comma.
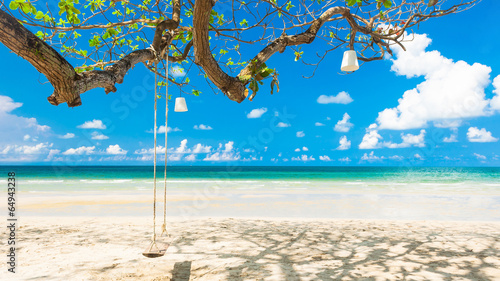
x: 164, y: 227
x: 154, y: 173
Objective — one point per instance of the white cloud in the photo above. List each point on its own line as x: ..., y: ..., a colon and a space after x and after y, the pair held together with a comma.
x: 161, y: 130
x: 257, y: 113
x: 37, y: 149
x: 345, y: 159
x: 177, y: 71
x: 175, y: 157
x: 283, y: 125
x: 190, y: 157
x: 228, y: 147
x: 480, y: 135
x: 7, y: 104
x: 13, y: 127
x: 417, y: 156
x: 396, y: 157
x: 371, y: 157
x: 300, y: 134
x: 371, y: 138
x: 159, y: 149
x: 325, y: 158
x: 26, y: 137
x: 80, y: 150
x: 67, y: 136
x: 202, y: 127
x: 479, y: 156
x: 52, y: 154
x: 451, y: 90
x: 94, y: 124
x: 226, y: 154
x: 199, y: 148
x: 25, y: 150
x: 305, y: 148
x: 297, y: 150
x: 42, y: 128
x: 304, y: 158
x: 115, y: 150
x: 344, y: 143
x: 318, y: 124
x: 177, y: 153
x: 415, y: 140
x: 495, y: 101
x: 448, y: 123
x: 342, y: 98
x: 99, y: 136
x: 182, y: 147
x: 409, y: 140
x: 452, y: 137
x: 343, y: 125
x: 218, y: 156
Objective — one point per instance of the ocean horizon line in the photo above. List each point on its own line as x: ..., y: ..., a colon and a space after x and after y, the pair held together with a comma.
x: 259, y: 166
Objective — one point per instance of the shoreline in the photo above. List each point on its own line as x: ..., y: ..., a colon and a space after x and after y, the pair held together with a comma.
x: 254, y: 203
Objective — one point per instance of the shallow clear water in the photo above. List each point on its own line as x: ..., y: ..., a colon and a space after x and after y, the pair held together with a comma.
x: 345, y: 179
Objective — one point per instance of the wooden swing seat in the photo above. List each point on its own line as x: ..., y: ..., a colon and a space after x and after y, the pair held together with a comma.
x: 153, y: 251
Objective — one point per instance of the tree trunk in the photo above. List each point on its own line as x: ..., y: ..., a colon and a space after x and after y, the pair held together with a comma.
x: 232, y: 87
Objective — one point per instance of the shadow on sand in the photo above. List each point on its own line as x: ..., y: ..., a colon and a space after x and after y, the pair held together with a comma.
x: 256, y: 250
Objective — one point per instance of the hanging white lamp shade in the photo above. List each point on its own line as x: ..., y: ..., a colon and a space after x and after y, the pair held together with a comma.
x: 349, y: 61
x: 180, y: 105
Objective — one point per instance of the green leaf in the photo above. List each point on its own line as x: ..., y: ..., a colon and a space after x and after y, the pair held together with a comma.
x: 387, y: 4
x: 244, y: 22
x: 351, y: 2
x: 266, y: 72
x: 40, y: 35
x: 432, y: 3
x: 254, y: 86
x: 74, y: 10
x: 245, y: 78
x: 298, y: 54
x: 39, y: 15
x: 25, y: 8
x: 13, y: 5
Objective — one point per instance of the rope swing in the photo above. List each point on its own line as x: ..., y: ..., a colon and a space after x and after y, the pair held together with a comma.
x: 153, y: 251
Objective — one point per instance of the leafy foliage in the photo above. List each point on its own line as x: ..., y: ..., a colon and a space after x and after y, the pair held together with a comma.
x: 97, y: 33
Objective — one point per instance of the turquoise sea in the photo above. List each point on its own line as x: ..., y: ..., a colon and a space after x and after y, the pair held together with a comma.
x: 46, y: 178
x: 418, y: 193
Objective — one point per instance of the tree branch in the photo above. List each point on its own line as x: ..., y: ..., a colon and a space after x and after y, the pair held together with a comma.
x: 44, y: 58
x: 68, y: 85
x: 232, y: 86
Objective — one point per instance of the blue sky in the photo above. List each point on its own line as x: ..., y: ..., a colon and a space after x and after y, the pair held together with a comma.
x: 436, y: 104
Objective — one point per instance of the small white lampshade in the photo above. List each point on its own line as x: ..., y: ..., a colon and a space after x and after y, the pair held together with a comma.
x: 349, y: 61
x: 180, y: 105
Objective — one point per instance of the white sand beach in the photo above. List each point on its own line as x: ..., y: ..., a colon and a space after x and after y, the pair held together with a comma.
x: 109, y: 248
x: 278, y: 234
